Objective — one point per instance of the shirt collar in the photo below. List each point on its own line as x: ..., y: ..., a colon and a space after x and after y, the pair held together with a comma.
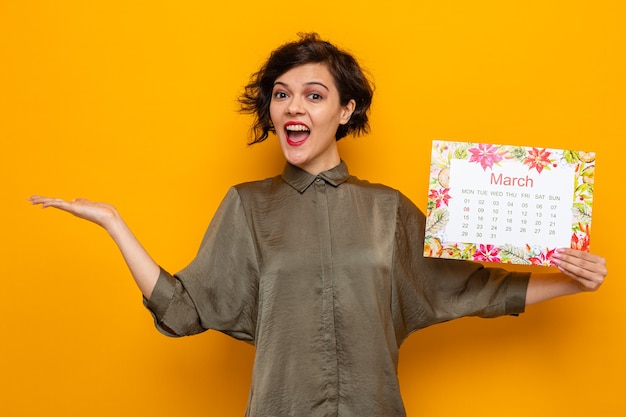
x: 300, y: 180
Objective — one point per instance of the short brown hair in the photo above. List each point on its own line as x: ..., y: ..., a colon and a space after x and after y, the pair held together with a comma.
x: 349, y: 78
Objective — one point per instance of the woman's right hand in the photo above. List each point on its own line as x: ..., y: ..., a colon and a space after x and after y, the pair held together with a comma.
x: 144, y: 270
x: 102, y: 214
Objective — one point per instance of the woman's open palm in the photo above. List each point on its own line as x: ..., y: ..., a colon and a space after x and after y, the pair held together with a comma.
x: 96, y: 212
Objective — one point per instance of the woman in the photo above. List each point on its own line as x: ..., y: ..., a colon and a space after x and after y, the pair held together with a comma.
x: 321, y: 271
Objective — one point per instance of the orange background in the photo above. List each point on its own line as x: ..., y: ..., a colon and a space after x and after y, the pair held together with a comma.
x: 134, y: 103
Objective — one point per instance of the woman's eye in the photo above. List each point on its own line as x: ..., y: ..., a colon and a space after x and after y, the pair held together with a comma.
x: 280, y: 94
x: 315, y: 96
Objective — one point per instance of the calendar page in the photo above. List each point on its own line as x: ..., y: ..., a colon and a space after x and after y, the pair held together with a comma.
x: 510, y: 204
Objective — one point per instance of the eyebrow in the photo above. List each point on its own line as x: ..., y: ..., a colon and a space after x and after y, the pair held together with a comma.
x: 307, y: 84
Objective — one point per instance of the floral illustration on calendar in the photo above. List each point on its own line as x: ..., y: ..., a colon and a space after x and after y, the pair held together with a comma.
x: 509, y: 204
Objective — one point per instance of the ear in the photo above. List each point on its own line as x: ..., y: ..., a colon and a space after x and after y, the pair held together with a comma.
x: 346, y: 111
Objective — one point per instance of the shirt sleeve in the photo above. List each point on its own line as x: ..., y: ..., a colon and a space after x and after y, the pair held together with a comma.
x: 433, y: 290
x: 218, y: 289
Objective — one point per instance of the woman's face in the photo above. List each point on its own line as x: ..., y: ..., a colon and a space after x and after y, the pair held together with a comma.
x: 306, y: 112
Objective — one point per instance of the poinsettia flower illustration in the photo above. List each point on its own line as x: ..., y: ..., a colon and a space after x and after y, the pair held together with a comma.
x: 543, y: 258
x: 440, y: 196
x: 537, y: 159
x: 486, y: 155
x: 487, y: 253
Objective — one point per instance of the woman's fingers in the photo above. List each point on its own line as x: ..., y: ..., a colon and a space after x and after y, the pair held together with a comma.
x: 588, y: 269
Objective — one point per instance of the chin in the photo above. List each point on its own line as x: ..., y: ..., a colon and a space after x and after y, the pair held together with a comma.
x: 299, y: 162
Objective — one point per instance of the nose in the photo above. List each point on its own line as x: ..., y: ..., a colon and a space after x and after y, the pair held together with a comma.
x: 295, y: 106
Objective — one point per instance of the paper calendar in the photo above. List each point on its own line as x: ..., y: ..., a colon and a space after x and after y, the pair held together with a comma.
x: 509, y: 204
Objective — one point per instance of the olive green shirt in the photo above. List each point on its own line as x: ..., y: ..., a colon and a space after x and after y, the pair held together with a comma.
x: 326, y: 276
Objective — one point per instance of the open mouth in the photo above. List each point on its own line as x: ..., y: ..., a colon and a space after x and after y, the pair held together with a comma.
x: 297, y: 133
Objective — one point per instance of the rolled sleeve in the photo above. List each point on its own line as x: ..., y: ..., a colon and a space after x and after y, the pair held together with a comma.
x: 516, y: 293
x: 172, y: 310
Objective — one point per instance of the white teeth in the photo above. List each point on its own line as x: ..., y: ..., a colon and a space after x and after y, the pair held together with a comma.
x: 297, y: 128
